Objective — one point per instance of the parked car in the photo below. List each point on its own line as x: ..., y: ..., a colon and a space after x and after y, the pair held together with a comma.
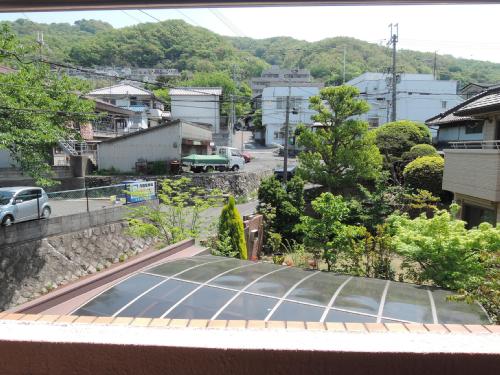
x: 247, y: 156
x: 23, y: 203
x: 278, y: 172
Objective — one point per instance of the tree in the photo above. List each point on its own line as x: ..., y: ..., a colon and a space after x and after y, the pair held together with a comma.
x: 325, y: 233
x: 231, y: 226
x: 441, y: 251
x: 281, y: 205
x: 342, y: 152
x: 418, y: 151
x: 425, y: 173
x: 395, y: 138
x: 178, y: 215
x: 37, y: 108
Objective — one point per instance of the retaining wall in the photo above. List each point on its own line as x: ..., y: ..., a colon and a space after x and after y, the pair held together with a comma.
x: 32, y: 268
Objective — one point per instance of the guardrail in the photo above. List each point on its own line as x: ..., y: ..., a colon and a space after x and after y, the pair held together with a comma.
x: 486, y: 145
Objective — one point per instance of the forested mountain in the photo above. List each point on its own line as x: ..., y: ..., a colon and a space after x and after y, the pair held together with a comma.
x: 176, y: 44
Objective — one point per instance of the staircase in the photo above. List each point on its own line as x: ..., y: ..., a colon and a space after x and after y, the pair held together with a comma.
x: 69, y: 146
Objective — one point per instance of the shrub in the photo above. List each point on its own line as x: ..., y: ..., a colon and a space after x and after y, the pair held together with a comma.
x: 231, y: 225
x: 425, y: 173
x: 418, y: 151
x: 396, y: 138
x: 281, y: 206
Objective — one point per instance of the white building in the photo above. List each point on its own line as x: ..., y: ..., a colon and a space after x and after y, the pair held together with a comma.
x: 276, y: 76
x: 147, y: 108
x: 274, y: 110
x: 419, y: 96
x: 196, y: 104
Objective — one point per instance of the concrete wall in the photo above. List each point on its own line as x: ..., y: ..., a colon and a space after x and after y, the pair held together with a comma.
x: 5, y: 159
x: 31, y: 269
x: 475, y: 173
x: 197, y: 108
x: 122, y: 154
x: 39, y: 229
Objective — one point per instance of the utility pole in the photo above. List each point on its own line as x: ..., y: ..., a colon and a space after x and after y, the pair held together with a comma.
x: 393, y: 40
x: 434, y: 68
x: 343, y: 76
x: 40, y: 42
x: 233, y: 112
x: 287, y: 124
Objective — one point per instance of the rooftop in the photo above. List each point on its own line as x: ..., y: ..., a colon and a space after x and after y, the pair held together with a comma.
x: 195, y: 91
x: 120, y: 89
x: 209, y: 287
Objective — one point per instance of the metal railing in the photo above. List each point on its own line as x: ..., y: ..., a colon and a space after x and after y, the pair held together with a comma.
x: 485, y: 145
x: 70, y: 202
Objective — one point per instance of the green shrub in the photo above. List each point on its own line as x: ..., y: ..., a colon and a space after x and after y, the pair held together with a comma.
x: 398, y: 137
x: 231, y: 225
x: 425, y: 173
x: 420, y: 150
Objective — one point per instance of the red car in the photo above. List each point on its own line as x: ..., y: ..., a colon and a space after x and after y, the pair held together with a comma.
x: 247, y: 156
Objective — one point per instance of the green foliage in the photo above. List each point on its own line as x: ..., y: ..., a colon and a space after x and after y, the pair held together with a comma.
x: 222, y: 245
x: 421, y: 201
x: 343, y: 152
x: 177, y: 217
x: 45, y: 106
x: 370, y: 255
x: 326, y: 233
x: 425, y: 173
x: 418, y: 151
x: 373, y: 207
x: 176, y: 44
x: 281, y: 206
x: 231, y: 226
x: 395, y: 138
x: 443, y: 252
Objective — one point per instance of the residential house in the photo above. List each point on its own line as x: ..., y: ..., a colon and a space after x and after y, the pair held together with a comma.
x: 162, y: 143
x: 148, y: 109
x: 418, y: 96
x: 276, y: 76
x: 472, y: 89
x: 274, y: 110
x: 472, y: 167
x: 450, y: 127
x: 197, y: 104
x: 111, y: 121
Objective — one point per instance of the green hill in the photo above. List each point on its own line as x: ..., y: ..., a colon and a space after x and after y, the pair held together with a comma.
x: 176, y: 44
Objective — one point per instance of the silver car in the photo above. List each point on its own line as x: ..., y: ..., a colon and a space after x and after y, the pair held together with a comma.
x: 20, y: 204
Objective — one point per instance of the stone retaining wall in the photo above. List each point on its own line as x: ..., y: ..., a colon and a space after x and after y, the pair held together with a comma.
x: 235, y: 183
x: 33, y: 268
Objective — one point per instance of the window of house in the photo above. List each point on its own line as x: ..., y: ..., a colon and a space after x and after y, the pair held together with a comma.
x: 279, y: 135
x: 281, y: 102
x: 443, y: 104
x: 476, y: 128
x: 373, y: 122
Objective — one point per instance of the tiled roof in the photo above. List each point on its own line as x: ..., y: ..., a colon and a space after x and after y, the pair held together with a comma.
x: 121, y: 89
x: 448, y: 119
x: 481, y: 103
x: 181, y: 91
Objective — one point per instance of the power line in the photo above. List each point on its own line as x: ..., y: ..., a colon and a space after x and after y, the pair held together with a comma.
x: 227, y: 22
x: 187, y: 17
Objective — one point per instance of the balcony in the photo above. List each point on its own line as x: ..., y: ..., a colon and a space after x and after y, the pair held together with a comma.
x: 473, y: 169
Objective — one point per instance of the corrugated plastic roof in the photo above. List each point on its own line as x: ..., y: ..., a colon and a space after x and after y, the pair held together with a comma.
x: 184, y: 91
x: 209, y: 287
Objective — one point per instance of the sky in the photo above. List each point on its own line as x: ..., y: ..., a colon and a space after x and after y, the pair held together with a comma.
x: 467, y: 31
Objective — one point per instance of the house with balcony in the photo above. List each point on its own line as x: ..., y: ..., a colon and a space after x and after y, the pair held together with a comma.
x: 274, y: 110
x: 472, y: 167
x: 148, y: 109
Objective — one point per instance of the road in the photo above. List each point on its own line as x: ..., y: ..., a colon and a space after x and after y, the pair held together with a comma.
x: 263, y: 159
